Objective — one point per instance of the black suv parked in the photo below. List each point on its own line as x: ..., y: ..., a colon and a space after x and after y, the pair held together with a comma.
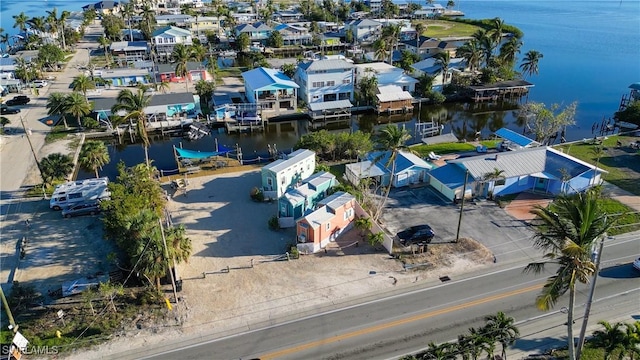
x: 416, y: 234
x: 18, y: 100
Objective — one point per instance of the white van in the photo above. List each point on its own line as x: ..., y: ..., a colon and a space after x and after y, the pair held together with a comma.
x: 82, y: 194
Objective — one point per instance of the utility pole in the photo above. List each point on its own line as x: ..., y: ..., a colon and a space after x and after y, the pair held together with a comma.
x: 464, y: 189
x: 35, y: 157
x: 592, y: 290
x: 166, y: 253
x: 12, y: 323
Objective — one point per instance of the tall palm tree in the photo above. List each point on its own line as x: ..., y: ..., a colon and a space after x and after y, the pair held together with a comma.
x: 83, y: 83
x: 420, y: 29
x: 443, y: 59
x: 380, y: 49
x: 4, y: 41
x: 182, y: 54
x: 492, y: 176
x: 56, y: 103
x: 391, y: 33
x: 611, y: 338
x: 77, y: 105
x: 148, y: 19
x: 94, y: 155
x: 472, y: 53
x: 38, y: 24
x: 566, y: 233
x: 162, y: 86
x: 63, y: 19
x: 485, y: 42
x: 497, y: 30
x: 20, y: 21
x: 105, y: 42
x: 389, y: 141
x: 127, y: 13
x: 134, y: 105
x: 509, y: 50
x: 503, y: 330
x: 530, y: 62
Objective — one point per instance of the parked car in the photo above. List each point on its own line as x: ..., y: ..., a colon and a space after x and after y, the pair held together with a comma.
x: 636, y: 264
x: 416, y: 234
x: 85, y: 208
x: 4, y: 109
x: 40, y: 83
x: 18, y: 100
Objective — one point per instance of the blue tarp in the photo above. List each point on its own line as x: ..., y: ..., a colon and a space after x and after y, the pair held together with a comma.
x: 194, y: 154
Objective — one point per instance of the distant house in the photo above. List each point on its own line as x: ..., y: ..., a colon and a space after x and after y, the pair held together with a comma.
x: 335, y: 215
x: 257, y: 32
x: 541, y: 169
x: 386, y: 75
x: 124, y: 76
x: 429, y: 11
x: 179, y: 20
x: 202, y: 25
x: 103, y: 7
x: 283, y: 174
x: 287, y: 16
x: 167, y: 37
x: 325, y: 80
x: 130, y: 51
x: 428, y: 47
x: 431, y: 67
x: 270, y: 88
x: 195, y: 72
x: 303, y: 198
x: 293, y: 35
x: 408, y: 169
x: 364, y: 29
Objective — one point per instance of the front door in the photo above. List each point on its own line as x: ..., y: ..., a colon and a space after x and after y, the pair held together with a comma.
x: 541, y: 184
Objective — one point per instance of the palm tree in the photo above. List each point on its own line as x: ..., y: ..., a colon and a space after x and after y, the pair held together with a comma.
x: 63, y: 19
x: 127, y: 13
x: 509, y: 50
x: 380, y: 48
x: 162, y: 86
x: 56, y: 106
x: 148, y: 19
x: 530, y: 62
x: 363, y: 224
x: 38, y: 24
x: 472, y: 53
x: 105, y: 42
x: 420, y: 29
x: 497, y: 31
x: 567, y: 231
x: 182, y: 54
x: 94, y: 155
x: 443, y: 59
x: 4, y: 41
x: 631, y: 343
x: 20, y: 21
x: 503, y: 330
x: 485, y: 43
x: 389, y: 141
x: 77, y: 105
x: 478, y: 342
x: 134, y: 105
x: 55, y: 167
x: 492, y: 176
x: 611, y: 338
x: 82, y: 84
x: 391, y: 32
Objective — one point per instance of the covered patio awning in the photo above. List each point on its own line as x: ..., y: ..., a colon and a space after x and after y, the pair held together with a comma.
x: 516, y: 138
x: 330, y: 105
x: 364, y: 169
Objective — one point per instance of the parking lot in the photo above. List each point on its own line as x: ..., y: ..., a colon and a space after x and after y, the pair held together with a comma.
x: 484, y: 221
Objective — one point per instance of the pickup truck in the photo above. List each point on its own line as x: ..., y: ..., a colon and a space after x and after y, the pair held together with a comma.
x: 18, y: 100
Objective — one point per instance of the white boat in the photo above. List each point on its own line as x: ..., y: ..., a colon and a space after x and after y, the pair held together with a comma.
x: 247, y: 117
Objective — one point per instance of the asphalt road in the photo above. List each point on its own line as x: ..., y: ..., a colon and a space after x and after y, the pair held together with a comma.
x: 389, y: 327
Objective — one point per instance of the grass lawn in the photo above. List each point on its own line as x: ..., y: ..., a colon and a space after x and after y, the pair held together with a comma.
x: 622, y: 163
x: 423, y: 150
x: 628, y: 222
x: 443, y: 28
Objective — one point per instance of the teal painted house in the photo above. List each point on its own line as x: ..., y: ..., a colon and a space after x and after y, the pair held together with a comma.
x: 302, y: 199
x: 270, y: 88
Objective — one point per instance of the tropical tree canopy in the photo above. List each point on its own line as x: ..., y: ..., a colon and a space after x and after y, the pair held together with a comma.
x: 55, y: 167
x: 545, y: 122
x: 94, y: 155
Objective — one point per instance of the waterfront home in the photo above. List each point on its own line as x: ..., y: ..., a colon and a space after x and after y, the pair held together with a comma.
x: 105, y: 7
x: 270, y: 89
x: 130, y: 51
x: 287, y: 16
x: 164, y: 110
x: 195, y: 71
x: 430, y: 66
x: 386, y: 75
x: 167, y: 37
x: 325, y: 80
x: 541, y: 169
x: 124, y: 76
x: 293, y: 35
x: 429, y: 11
x: 284, y: 174
x: 408, y: 169
x: 202, y: 25
x: 257, y: 32
x: 303, y: 198
x: 428, y: 47
x: 335, y: 215
x: 364, y: 29
x: 179, y: 20
x: 392, y: 99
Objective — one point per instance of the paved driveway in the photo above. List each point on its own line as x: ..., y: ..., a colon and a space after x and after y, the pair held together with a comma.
x: 507, y: 237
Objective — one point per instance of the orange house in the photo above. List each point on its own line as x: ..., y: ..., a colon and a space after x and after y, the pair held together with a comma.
x: 333, y: 215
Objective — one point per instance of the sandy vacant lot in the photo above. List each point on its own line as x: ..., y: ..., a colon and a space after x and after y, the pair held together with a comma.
x: 229, y: 230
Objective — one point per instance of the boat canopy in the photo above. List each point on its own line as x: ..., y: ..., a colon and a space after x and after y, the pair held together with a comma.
x: 194, y: 154
x: 635, y: 86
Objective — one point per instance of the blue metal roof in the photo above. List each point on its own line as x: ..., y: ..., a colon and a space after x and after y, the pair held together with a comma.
x: 261, y: 77
x: 451, y: 175
x: 403, y: 161
x: 514, y: 137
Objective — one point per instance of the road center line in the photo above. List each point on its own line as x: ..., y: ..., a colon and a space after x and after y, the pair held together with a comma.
x: 395, y: 323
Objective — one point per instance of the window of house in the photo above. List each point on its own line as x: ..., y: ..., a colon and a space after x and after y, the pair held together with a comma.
x: 331, y: 83
x: 328, y: 226
x: 501, y: 182
x: 346, y: 81
x: 269, y: 181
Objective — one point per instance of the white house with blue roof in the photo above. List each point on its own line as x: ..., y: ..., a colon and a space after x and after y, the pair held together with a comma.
x: 270, y: 88
x: 165, y: 38
x: 539, y: 169
x: 407, y: 169
x: 284, y: 174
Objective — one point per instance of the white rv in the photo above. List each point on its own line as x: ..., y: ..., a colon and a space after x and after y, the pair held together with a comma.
x: 70, y: 185
x: 75, y: 194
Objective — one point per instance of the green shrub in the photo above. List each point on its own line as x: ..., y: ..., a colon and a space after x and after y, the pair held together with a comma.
x: 257, y: 195
x: 273, y: 223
